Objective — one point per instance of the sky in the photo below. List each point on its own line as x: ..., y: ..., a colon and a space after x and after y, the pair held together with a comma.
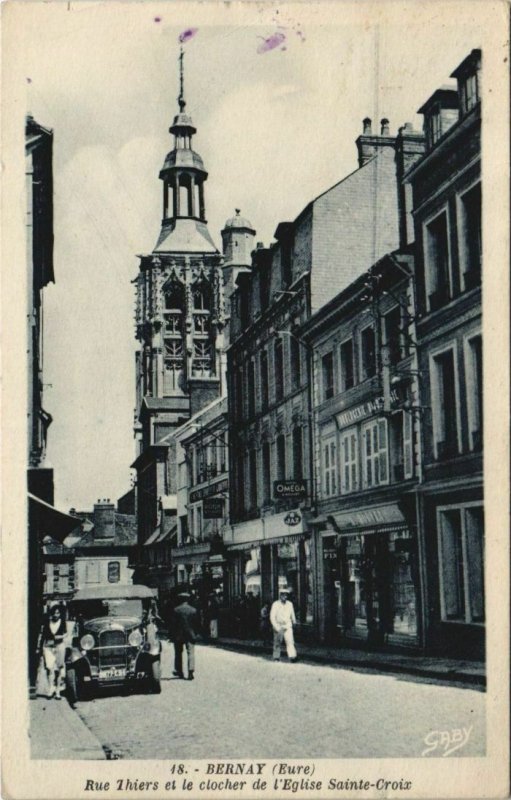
x: 276, y: 126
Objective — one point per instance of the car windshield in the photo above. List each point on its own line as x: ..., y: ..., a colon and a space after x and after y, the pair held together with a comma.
x: 123, y: 608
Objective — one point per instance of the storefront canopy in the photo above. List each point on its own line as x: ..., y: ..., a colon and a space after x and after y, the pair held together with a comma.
x: 50, y: 521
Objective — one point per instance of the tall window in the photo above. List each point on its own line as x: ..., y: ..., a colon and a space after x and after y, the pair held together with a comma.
x: 327, y: 370
x: 375, y: 453
x: 281, y: 457
x: 347, y: 366
x: 393, y: 334
x: 349, y: 461
x: 437, y: 261
x: 279, y: 370
x: 297, y: 453
x: 461, y: 550
x: 408, y: 449
x: 471, y: 236
x: 295, y: 354
x: 368, y: 353
x: 173, y: 357
x: 444, y: 403
x: 474, y: 378
x: 252, y: 476
x: 263, y: 365
x: 266, y: 457
x: 251, y: 388
x: 202, y: 364
x: 329, y: 468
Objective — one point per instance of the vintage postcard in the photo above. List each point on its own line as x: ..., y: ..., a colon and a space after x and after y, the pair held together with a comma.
x: 255, y: 348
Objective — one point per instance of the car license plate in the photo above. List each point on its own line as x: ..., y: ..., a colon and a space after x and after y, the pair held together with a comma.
x: 108, y: 674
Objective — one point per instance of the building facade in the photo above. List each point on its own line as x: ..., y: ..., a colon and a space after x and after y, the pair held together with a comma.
x: 366, y: 417
x: 43, y: 519
x: 446, y: 186
x: 179, y: 325
x: 334, y: 240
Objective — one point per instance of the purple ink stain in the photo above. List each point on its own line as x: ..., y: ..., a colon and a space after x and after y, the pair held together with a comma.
x: 271, y: 42
x: 157, y: 19
x: 186, y: 35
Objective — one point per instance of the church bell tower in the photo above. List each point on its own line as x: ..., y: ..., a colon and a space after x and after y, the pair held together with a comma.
x: 179, y: 302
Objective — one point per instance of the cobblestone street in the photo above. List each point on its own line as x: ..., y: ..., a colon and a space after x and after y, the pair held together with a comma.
x: 248, y: 706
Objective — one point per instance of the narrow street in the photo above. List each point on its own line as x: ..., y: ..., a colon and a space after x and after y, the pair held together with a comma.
x: 243, y: 706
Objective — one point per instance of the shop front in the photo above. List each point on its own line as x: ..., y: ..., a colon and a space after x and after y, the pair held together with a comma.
x: 371, y: 578
x: 280, y: 557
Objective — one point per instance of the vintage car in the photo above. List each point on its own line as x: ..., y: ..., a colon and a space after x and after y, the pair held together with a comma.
x: 115, y: 641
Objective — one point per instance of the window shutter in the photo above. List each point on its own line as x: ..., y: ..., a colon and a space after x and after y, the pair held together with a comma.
x: 332, y: 467
x: 408, y: 444
x: 354, y: 465
x: 327, y: 470
x: 383, y: 451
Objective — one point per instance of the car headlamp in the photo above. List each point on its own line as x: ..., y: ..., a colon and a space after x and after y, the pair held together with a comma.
x: 135, y: 638
x: 87, y: 642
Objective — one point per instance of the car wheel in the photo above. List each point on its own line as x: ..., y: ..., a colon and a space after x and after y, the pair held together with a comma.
x: 72, y: 688
x: 155, y: 677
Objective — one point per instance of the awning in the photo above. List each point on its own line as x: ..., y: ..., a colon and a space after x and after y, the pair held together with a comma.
x: 293, y: 537
x: 50, y: 521
x: 115, y: 592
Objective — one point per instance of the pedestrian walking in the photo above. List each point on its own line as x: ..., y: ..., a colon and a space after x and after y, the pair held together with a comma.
x: 265, y: 625
x: 212, y: 616
x: 53, y: 646
x: 282, y: 618
x: 184, y: 624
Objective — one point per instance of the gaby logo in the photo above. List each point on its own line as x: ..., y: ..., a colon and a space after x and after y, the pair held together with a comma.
x: 446, y: 742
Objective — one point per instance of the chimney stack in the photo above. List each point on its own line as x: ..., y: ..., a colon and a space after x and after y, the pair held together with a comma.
x: 367, y: 126
x: 104, y: 520
x: 384, y: 127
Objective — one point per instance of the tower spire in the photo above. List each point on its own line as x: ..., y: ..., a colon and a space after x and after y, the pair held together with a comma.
x: 181, y: 99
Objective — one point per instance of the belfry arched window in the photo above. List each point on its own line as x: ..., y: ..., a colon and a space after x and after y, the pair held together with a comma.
x: 203, y: 364
x: 173, y: 357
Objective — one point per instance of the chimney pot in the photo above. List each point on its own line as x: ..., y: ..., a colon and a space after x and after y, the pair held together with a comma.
x: 367, y: 125
x: 384, y: 127
x: 408, y: 126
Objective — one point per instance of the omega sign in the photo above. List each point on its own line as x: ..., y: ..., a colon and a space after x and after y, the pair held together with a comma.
x: 286, y: 489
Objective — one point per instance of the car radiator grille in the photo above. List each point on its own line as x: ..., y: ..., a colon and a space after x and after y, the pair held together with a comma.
x: 112, y: 649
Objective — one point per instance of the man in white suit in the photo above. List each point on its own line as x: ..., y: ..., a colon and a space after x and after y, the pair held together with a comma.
x: 282, y: 618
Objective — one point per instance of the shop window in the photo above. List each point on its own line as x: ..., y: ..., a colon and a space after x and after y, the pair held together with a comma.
x: 329, y: 468
x: 327, y: 370
x: 263, y: 366
x: 436, y: 248
x: 347, y: 366
x: 287, y: 568
x: 281, y: 457
x: 474, y: 379
x: 279, y: 370
x: 461, y: 543
x: 470, y: 236
x: 266, y: 457
x: 349, y: 461
x: 375, y: 453
x: 295, y: 357
x: 297, y: 453
x: 444, y: 405
x: 114, y: 572
x: 368, y: 353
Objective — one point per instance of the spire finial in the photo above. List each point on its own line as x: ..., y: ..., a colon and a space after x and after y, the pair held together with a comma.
x: 181, y: 98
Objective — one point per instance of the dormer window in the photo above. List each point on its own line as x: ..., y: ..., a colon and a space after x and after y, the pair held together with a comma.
x: 469, y: 91
x: 433, y: 126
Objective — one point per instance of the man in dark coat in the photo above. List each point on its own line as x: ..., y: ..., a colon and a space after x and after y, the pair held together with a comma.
x: 184, y: 624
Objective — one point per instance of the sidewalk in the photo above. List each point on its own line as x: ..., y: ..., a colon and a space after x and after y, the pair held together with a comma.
x: 56, y: 731
x: 443, y: 669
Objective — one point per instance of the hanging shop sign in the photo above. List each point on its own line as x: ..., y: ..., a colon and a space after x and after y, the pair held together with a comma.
x: 206, y: 491
x: 212, y: 508
x: 287, y: 489
x: 293, y: 518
